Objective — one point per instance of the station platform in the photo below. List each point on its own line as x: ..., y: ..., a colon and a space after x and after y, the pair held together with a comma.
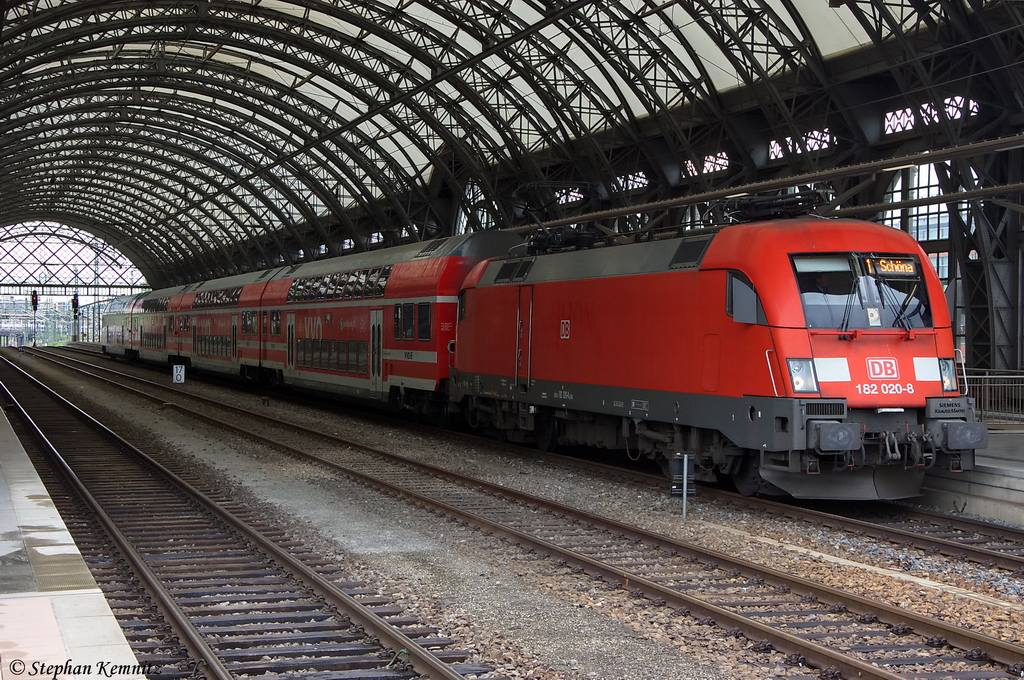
x: 993, y: 489
x: 54, y: 620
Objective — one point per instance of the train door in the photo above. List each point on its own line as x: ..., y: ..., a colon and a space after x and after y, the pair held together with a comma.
x: 234, y: 337
x: 376, y: 350
x: 290, y: 362
x: 524, y: 337
x: 264, y: 340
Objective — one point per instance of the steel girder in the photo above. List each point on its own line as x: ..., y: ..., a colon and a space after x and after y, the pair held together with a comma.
x: 214, y: 136
x: 986, y: 248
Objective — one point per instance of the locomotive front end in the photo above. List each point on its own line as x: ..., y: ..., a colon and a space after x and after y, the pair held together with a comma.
x: 873, y: 373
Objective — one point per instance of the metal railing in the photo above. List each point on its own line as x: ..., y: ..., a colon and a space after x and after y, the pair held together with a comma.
x: 999, y: 395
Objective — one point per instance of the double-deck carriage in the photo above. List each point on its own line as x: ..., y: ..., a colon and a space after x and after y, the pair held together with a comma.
x: 374, y: 325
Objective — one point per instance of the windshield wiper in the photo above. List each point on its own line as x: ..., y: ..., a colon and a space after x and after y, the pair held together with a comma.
x: 847, y: 313
x: 902, y: 315
x: 890, y: 294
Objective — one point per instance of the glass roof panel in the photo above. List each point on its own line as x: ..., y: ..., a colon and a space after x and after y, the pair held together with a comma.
x: 223, y: 122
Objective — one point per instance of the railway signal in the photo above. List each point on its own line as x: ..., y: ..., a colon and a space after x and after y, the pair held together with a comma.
x: 35, y: 308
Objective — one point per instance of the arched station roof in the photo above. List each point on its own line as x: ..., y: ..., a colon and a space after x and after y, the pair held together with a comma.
x: 209, y: 137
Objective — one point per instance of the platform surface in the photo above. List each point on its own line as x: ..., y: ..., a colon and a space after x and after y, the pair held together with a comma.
x: 1005, y: 450
x: 54, y: 620
x: 994, y: 489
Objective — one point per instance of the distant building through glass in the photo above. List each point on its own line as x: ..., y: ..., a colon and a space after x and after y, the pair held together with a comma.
x: 57, y: 262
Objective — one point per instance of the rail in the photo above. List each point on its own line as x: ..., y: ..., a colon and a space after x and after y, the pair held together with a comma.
x: 999, y: 396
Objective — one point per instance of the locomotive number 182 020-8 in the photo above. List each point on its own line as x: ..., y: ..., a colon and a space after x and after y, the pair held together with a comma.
x: 885, y: 388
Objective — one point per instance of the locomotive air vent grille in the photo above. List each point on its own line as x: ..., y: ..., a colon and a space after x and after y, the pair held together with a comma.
x: 430, y: 247
x: 522, y: 270
x: 830, y: 409
x: 514, y: 271
x: 505, y: 272
x: 690, y: 252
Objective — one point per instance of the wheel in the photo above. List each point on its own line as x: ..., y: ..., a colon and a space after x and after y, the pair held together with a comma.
x: 748, y: 480
x: 436, y: 414
x: 547, y: 435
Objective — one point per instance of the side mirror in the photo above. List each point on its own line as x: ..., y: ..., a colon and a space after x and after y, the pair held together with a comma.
x: 451, y: 347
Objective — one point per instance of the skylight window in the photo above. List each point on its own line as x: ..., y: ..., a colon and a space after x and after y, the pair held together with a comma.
x: 637, y: 180
x: 816, y: 140
x: 569, y: 195
x: 713, y: 163
x: 56, y: 256
x: 904, y: 119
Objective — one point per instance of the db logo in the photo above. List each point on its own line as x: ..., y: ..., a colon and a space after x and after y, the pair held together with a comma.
x: 883, y: 369
x: 564, y: 334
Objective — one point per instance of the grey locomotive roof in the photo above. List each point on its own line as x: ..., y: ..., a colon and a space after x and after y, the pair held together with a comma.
x: 635, y: 258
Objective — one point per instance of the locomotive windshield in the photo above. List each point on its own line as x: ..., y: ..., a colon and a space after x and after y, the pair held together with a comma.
x: 843, y: 291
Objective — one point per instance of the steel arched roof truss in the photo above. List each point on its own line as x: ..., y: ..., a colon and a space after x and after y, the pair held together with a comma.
x: 274, y: 131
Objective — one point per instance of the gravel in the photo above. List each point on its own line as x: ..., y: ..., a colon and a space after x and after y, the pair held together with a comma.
x: 526, y: 617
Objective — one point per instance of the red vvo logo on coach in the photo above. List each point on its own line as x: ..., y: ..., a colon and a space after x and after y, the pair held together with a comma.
x: 883, y: 368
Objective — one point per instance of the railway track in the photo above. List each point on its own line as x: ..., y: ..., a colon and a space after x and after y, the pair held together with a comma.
x: 239, y: 598
x: 987, y: 544
x: 839, y: 633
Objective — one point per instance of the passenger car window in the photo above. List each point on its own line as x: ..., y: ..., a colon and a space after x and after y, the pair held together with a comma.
x: 423, y: 321
x: 382, y: 282
x: 408, y: 321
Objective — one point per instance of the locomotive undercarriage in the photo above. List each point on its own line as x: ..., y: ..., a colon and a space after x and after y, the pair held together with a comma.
x: 427, y: 406
x: 865, y: 453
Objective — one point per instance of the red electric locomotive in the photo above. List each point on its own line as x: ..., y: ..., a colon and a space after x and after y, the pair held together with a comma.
x: 801, y: 356
x: 373, y: 325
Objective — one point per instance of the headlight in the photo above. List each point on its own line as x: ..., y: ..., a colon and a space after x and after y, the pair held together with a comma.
x: 947, y: 370
x: 801, y: 374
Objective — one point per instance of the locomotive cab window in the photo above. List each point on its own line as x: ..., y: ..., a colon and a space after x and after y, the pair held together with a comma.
x: 857, y: 290
x: 742, y: 302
